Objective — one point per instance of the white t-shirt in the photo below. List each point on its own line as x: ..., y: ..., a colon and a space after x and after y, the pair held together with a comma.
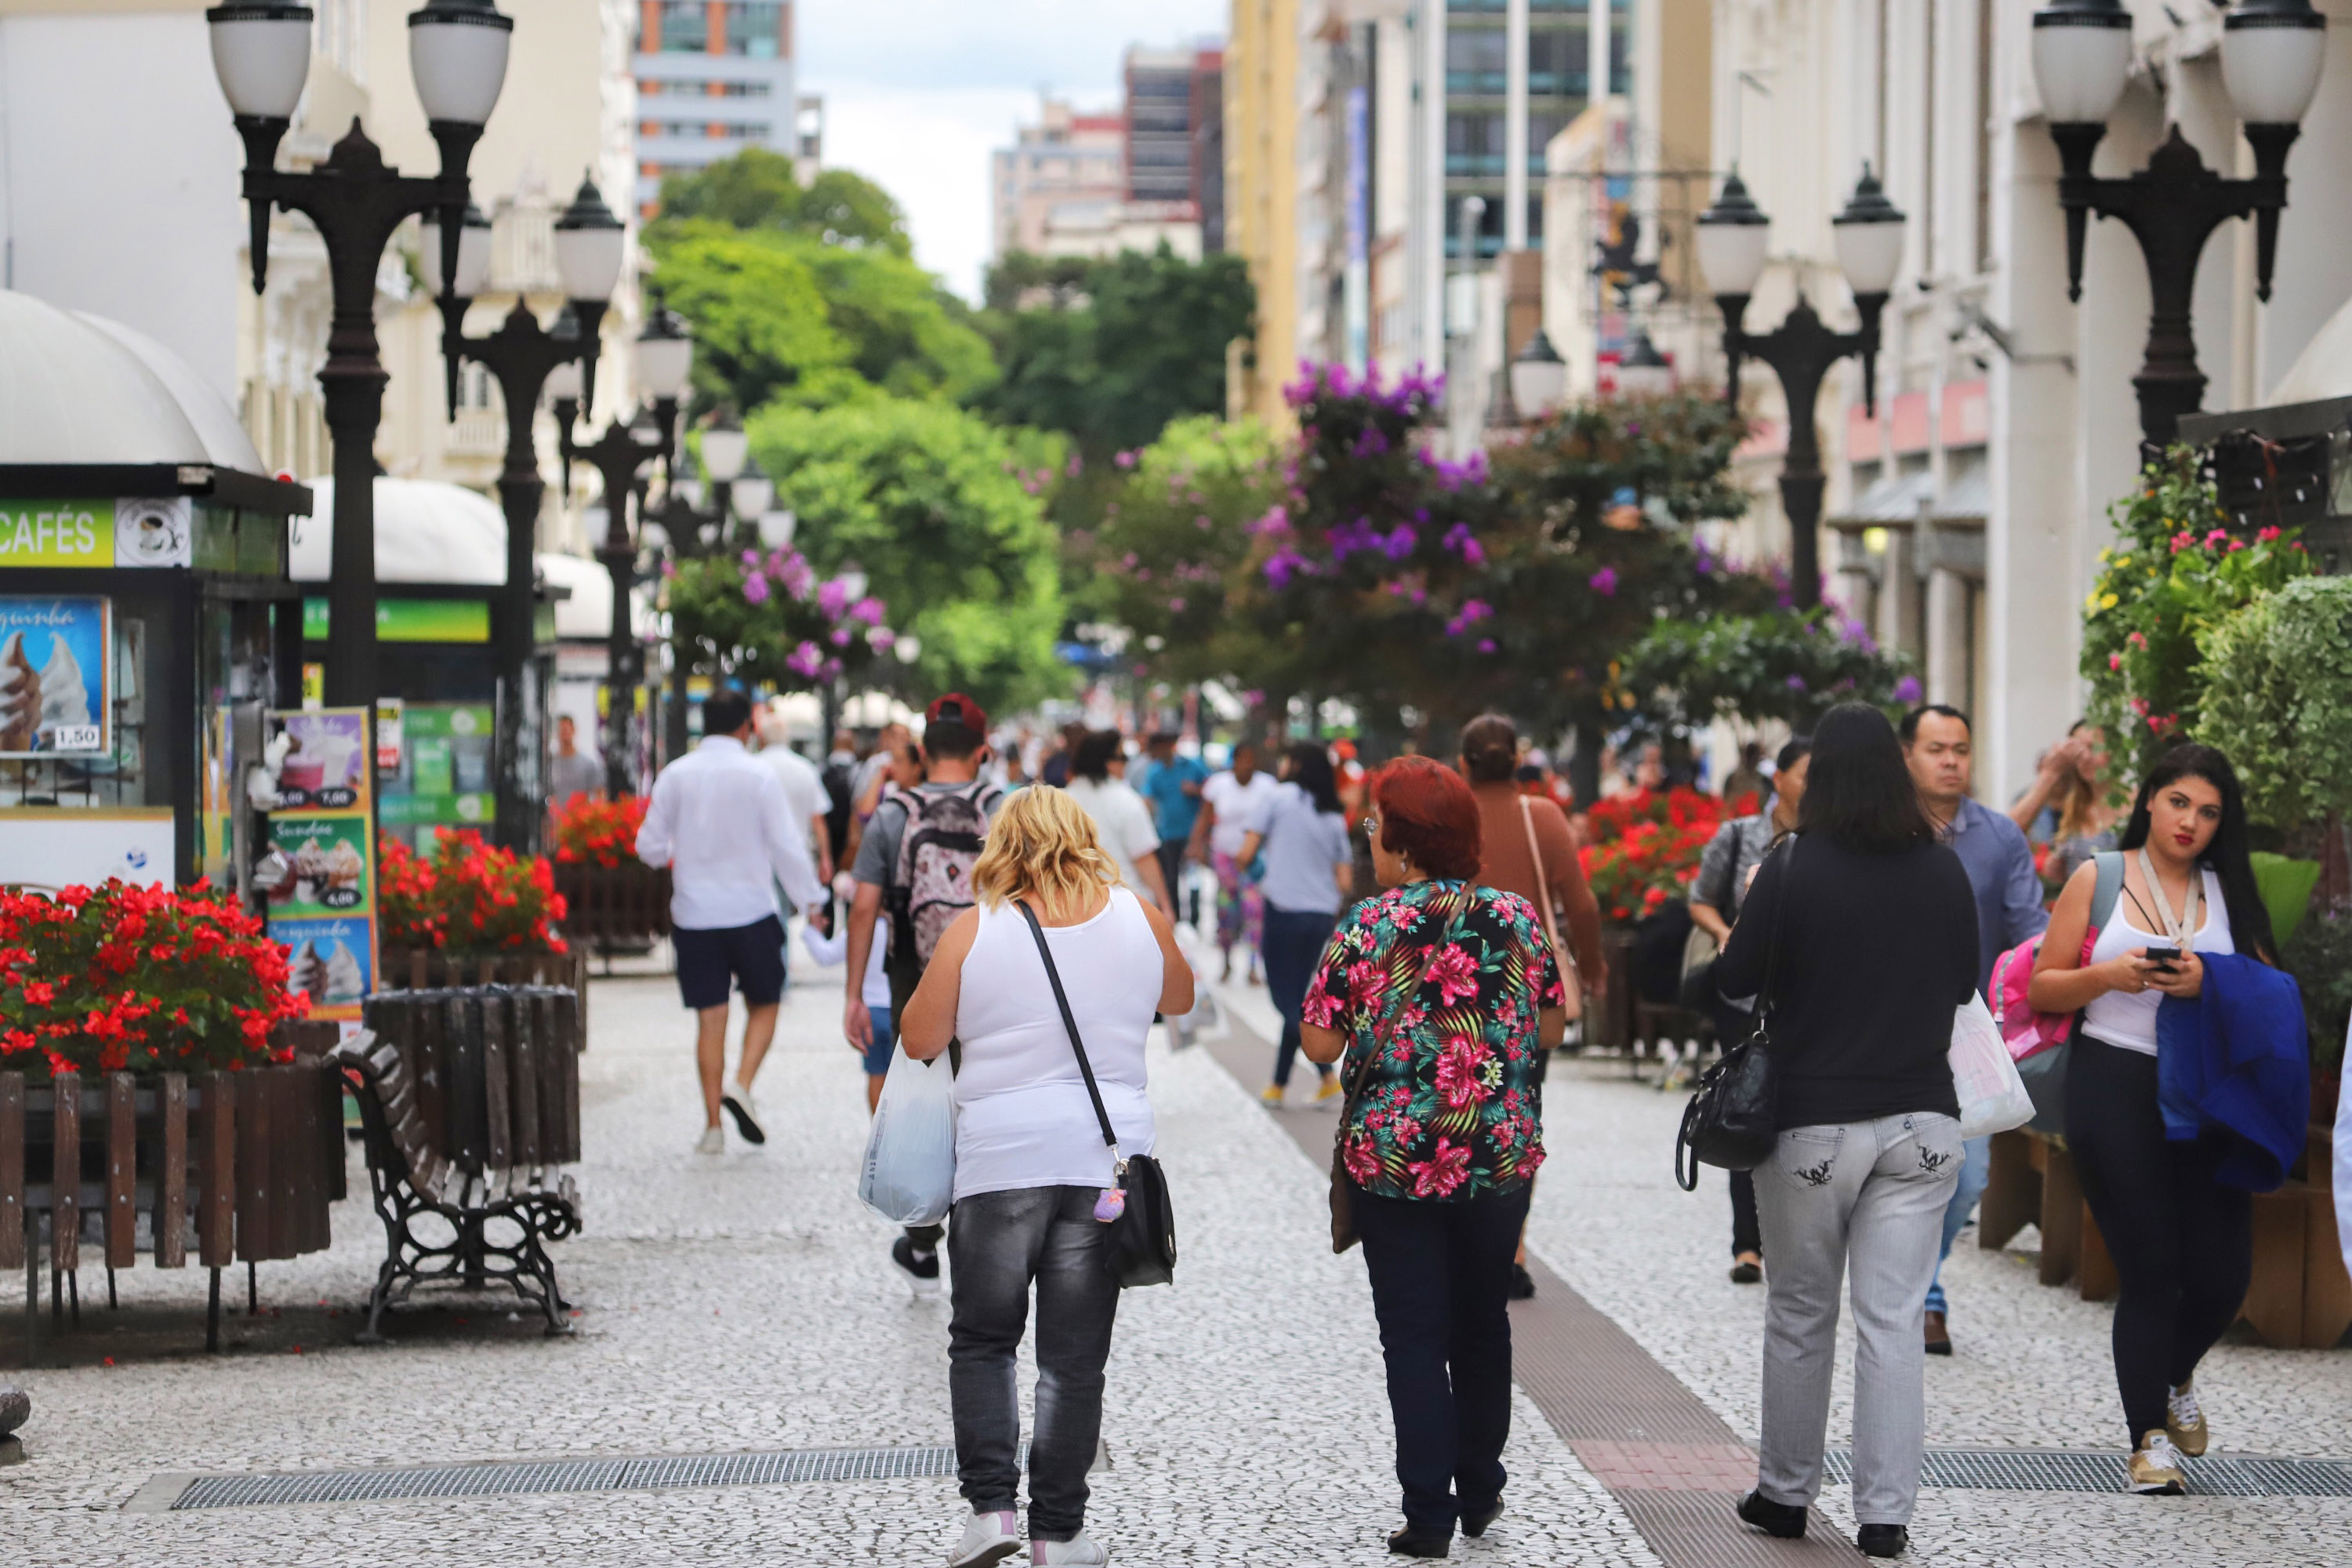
x: 1236, y: 802
x: 829, y: 951
x: 2123, y: 1018
x: 1122, y: 820
x: 803, y: 784
x: 1022, y: 1116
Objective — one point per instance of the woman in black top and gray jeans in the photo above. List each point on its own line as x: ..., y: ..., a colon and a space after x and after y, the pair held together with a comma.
x: 1864, y: 927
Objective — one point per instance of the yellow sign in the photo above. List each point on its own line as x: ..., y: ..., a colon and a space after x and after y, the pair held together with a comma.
x: 56, y: 533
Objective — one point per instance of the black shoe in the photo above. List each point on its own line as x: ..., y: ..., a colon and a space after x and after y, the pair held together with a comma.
x: 1883, y: 1540
x: 1775, y: 1519
x: 921, y: 1266
x: 735, y: 1100
x: 1412, y: 1541
x: 1745, y: 1273
x: 1523, y: 1284
x: 1474, y: 1520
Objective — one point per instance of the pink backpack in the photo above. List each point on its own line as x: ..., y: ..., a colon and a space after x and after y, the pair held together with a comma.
x: 2028, y: 1032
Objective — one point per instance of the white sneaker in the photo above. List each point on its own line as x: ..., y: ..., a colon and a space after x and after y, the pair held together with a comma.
x: 2154, y: 1467
x: 988, y: 1538
x: 737, y: 1102
x: 713, y: 1141
x: 1078, y: 1549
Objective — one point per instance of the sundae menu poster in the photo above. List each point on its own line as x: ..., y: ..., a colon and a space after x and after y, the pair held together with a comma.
x: 324, y: 912
x: 56, y: 670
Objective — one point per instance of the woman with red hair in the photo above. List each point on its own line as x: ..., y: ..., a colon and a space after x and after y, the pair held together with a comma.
x: 1443, y: 995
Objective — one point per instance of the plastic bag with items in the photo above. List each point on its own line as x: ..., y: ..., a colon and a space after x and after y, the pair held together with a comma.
x: 909, y: 1176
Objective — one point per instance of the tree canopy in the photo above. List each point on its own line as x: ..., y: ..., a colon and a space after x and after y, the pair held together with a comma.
x: 758, y: 189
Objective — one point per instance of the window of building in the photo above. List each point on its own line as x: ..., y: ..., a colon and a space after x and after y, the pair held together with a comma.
x: 1474, y: 60
x: 1473, y: 144
x: 755, y: 28
x: 685, y: 27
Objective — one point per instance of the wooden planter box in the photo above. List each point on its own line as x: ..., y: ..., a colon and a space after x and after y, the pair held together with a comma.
x: 495, y: 1070
x: 614, y: 909
x: 245, y: 1164
x: 426, y: 968
x: 2300, y: 1295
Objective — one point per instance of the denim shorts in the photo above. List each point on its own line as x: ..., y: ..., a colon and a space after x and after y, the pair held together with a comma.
x: 878, y: 1055
x: 751, y: 957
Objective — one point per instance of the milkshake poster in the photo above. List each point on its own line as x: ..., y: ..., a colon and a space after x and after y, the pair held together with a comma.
x: 55, y: 678
x: 324, y: 912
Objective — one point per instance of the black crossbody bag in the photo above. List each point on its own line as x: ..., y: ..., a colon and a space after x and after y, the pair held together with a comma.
x: 1730, y: 1121
x: 1141, y: 1246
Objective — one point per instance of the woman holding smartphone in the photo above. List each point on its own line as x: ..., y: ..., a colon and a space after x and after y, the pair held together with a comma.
x: 2182, y: 1241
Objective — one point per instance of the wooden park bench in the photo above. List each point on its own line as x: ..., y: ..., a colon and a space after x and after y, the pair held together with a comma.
x: 469, y: 1105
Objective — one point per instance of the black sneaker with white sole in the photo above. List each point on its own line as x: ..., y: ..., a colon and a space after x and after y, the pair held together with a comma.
x: 739, y: 1104
x: 922, y: 1269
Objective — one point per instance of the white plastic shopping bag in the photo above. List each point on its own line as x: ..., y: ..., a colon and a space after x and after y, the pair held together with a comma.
x: 908, y: 1177
x: 1992, y: 1097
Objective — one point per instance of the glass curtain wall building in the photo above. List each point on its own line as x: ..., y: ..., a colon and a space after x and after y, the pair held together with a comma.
x: 1558, y: 87
x: 714, y: 76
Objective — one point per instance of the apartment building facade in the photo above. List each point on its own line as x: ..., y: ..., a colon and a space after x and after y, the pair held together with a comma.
x: 713, y: 78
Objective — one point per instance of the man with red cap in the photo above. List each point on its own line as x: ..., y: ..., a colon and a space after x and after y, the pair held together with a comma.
x: 915, y: 865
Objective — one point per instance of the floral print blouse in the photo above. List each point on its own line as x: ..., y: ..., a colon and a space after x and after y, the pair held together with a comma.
x: 1454, y: 1109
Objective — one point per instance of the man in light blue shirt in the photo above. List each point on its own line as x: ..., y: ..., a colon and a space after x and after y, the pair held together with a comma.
x: 1937, y: 745
x: 1172, y: 785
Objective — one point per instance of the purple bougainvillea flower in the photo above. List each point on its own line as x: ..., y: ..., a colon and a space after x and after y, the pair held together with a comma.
x: 806, y: 659
x: 1907, y: 690
x: 755, y: 589
x: 1176, y: 606
x: 1796, y: 683
x: 839, y: 636
x: 1486, y: 644
x: 1125, y: 459
x: 868, y: 609
x: 1604, y: 582
x: 833, y: 599
x: 1400, y: 541
x: 881, y: 637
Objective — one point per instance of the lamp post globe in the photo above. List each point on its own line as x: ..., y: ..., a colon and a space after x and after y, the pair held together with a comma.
x: 1733, y: 237
x: 2270, y: 54
x: 261, y: 53
x: 665, y: 355
x: 1538, y: 377
x: 754, y: 492
x: 565, y: 383
x: 591, y: 248
x: 854, y: 580
x: 776, y: 528
x: 725, y: 447
x: 1644, y: 372
x: 473, y: 253
x: 1868, y: 235
x: 2082, y: 53
x: 458, y: 55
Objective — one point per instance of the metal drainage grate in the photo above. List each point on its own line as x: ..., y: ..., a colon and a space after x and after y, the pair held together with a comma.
x: 507, y: 1478
x: 2074, y: 1470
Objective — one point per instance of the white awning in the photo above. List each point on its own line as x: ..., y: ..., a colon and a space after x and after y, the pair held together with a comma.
x: 72, y: 393
x: 2324, y: 369
x: 587, y: 615
x: 425, y: 531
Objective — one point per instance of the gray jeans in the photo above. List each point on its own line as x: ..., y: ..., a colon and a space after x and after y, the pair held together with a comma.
x: 1867, y: 1198
x: 998, y: 1244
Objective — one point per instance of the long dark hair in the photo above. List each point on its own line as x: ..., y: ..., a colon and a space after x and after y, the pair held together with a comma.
x: 2226, y: 856
x: 1310, y: 769
x: 1859, y: 796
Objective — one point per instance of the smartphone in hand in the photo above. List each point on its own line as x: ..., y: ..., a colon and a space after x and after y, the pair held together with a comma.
x: 2164, y: 958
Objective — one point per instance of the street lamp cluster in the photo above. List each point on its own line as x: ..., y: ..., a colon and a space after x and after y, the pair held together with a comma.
x: 2272, y: 51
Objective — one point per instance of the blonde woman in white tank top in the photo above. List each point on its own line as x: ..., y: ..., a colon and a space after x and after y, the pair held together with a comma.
x: 1032, y: 1172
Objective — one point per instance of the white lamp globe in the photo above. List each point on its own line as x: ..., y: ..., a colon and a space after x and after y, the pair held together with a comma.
x: 591, y: 244
x: 473, y: 253
x: 2270, y: 54
x: 2082, y: 53
x: 1733, y: 236
x: 457, y: 52
x: 261, y: 53
x: 1869, y: 238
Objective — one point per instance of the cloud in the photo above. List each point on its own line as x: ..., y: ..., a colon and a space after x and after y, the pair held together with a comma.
x: 919, y: 92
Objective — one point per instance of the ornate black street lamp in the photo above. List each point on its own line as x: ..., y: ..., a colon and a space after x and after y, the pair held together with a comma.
x: 1732, y: 238
x: 1538, y: 378
x: 738, y: 492
x: 261, y: 52
x: 589, y: 247
x: 2270, y: 54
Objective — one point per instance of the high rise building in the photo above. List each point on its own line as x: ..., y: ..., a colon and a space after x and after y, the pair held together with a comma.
x: 1175, y: 132
x: 1261, y: 146
x: 714, y: 76
x: 1148, y: 173
x: 1066, y: 169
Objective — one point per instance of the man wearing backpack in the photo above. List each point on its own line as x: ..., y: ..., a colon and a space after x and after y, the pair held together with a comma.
x: 914, y: 865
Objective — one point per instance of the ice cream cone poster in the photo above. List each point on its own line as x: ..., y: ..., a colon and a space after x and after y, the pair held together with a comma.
x: 55, y: 675
x: 330, y: 960
x: 330, y: 766
x: 332, y: 870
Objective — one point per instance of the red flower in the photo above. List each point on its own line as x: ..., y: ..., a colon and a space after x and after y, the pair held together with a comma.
x: 1461, y: 1068
x: 1453, y: 972
x: 1447, y: 1167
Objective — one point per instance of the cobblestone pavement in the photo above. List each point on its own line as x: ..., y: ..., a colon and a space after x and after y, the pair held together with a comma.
x: 746, y: 1302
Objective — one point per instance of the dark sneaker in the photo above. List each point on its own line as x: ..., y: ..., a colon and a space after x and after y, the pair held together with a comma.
x: 1414, y: 1542
x: 1883, y: 1540
x: 922, y: 1269
x: 1747, y: 1269
x: 1523, y: 1284
x: 737, y: 1100
x: 1775, y: 1518
x: 1938, y: 1335
x: 1474, y: 1520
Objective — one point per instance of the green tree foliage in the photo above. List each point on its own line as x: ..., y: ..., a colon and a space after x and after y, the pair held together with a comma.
x: 2277, y: 699
x: 758, y: 189
x: 927, y: 499
x: 2175, y: 573
x: 1110, y: 350
x: 1788, y: 665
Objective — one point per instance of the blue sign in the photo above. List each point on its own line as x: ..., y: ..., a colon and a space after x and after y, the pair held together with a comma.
x: 57, y: 669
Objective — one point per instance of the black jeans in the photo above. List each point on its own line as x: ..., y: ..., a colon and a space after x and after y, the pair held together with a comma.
x: 1747, y: 1232
x: 1293, y: 945
x: 998, y: 1242
x: 2183, y: 1243
x: 1441, y: 1288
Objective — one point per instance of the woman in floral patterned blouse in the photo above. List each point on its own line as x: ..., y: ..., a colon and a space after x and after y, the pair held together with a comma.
x: 1443, y: 997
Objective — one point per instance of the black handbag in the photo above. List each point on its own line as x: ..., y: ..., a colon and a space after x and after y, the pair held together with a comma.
x: 1141, y: 1246
x: 1730, y: 1121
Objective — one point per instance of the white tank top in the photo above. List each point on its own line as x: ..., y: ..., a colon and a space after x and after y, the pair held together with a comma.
x: 2128, y: 1019
x: 1022, y: 1118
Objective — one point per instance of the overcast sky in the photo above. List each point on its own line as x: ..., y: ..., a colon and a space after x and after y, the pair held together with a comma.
x: 919, y: 92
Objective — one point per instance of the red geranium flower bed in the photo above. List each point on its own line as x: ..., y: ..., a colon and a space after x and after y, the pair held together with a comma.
x: 1645, y: 848
x: 598, y: 832
x: 119, y: 978
x: 468, y: 897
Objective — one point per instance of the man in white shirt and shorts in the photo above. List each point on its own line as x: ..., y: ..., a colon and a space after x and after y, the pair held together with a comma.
x: 720, y: 822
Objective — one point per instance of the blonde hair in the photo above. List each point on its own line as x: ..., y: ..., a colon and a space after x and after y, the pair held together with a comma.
x: 1043, y: 844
